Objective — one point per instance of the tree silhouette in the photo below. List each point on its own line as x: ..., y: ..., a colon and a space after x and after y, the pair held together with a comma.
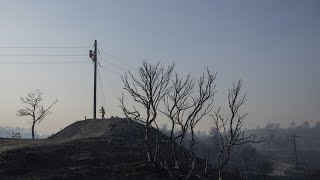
x: 292, y: 125
x: 34, y: 108
x: 230, y: 130
x: 147, y: 89
x: 317, y: 125
x: 187, y: 103
x: 305, y: 124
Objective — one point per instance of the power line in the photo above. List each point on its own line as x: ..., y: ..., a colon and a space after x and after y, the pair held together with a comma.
x: 118, y: 59
x: 113, y: 64
x: 52, y: 62
x: 40, y: 55
x: 111, y: 70
x: 106, y: 67
x: 42, y: 47
x: 250, y: 123
x: 256, y: 124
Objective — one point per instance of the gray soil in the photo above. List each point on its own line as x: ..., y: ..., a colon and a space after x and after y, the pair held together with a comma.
x: 88, y: 149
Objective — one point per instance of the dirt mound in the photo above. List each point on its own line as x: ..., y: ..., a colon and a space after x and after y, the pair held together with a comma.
x: 88, y: 149
x: 89, y: 128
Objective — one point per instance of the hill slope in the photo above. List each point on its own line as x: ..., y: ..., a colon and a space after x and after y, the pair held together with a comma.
x: 88, y: 149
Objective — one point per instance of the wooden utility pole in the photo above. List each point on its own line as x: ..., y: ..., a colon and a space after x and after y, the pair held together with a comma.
x: 295, y: 150
x: 93, y: 55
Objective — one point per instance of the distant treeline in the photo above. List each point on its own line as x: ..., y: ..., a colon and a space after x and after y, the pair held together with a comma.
x: 292, y: 125
x: 277, y: 147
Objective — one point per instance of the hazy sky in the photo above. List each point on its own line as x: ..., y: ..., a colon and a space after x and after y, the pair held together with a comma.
x: 274, y: 46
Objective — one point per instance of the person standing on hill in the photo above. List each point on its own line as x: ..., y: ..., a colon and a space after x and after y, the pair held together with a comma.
x: 102, y: 111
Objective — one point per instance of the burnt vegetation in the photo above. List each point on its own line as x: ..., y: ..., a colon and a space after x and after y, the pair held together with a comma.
x: 139, y: 146
x: 185, y: 102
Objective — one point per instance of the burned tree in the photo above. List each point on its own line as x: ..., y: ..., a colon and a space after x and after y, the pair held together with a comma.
x: 247, y: 153
x: 187, y: 103
x: 229, y: 128
x: 34, y: 108
x: 147, y: 89
x: 265, y: 166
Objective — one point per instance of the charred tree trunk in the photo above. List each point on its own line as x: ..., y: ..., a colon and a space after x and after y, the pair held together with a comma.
x: 32, y: 129
x: 176, y: 165
x: 146, y: 144
x: 220, y: 175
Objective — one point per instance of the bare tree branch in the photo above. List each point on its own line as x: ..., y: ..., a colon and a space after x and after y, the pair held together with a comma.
x: 232, y: 134
x: 36, y: 111
x: 185, y: 106
x: 147, y: 89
